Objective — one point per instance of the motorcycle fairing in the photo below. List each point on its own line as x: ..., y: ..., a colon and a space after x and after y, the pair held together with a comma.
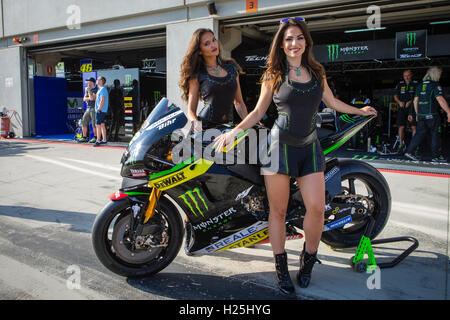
x: 182, y: 175
x: 214, y: 204
x: 245, y: 237
x: 162, y: 121
x: 334, y: 141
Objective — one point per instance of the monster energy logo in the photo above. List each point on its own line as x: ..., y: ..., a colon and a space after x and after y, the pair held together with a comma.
x: 410, y: 39
x: 347, y: 118
x: 333, y: 52
x: 190, y: 200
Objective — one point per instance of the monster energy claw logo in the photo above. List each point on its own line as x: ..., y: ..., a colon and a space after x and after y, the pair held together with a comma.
x: 333, y: 52
x: 190, y: 200
x: 410, y: 39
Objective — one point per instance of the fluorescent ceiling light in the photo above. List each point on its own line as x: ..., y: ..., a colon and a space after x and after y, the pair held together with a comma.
x: 363, y: 30
x: 440, y: 22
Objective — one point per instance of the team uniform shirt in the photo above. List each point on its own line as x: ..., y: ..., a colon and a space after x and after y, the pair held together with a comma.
x: 427, y: 92
x: 405, y: 92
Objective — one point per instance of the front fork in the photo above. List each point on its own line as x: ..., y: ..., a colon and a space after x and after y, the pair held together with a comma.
x: 152, y: 202
x: 137, y: 221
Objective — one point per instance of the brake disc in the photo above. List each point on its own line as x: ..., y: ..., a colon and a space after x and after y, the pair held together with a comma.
x: 362, y: 206
x: 128, y: 250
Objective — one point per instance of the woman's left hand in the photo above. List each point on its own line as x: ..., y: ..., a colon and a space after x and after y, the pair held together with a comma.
x: 368, y: 111
x: 223, y: 140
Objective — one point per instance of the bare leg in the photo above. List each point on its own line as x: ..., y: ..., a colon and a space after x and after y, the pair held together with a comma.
x: 94, y: 129
x: 312, y: 188
x: 277, y: 187
x: 99, y: 132
x: 103, y: 128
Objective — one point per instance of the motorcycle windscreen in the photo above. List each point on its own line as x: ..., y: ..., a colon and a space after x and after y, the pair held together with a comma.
x: 165, y: 118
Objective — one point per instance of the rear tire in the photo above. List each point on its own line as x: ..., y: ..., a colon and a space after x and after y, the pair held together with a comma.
x: 379, y: 193
x: 110, y: 215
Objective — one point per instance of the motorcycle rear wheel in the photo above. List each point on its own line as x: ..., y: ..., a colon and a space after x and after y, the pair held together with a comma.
x: 350, y: 235
x: 106, y: 226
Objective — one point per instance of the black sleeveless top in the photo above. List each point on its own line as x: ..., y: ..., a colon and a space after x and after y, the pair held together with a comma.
x: 218, y: 95
x: 298, y: 104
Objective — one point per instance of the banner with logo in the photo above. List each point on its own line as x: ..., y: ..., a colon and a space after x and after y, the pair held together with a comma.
x: 354, y: 51
x: 252, y: 58
x: 411, y: 45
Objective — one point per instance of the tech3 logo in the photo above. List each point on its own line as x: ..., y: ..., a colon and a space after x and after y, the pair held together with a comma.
x: 333, y: 52
x: 190, y: 200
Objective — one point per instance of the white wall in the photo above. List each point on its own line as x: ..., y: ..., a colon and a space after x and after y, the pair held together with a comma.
x: 13, y: 88
x: 1, y: 19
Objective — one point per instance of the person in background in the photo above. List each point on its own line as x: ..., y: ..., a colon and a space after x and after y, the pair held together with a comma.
x: 116, y: 107
x: 427, y: 98
x: 101, y: 108
x: 89, y: 114
x: 404, y: 96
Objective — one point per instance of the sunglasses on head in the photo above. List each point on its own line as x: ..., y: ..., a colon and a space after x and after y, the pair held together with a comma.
x: 295, y: 18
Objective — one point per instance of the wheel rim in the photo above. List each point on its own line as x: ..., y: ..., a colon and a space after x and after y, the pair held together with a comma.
x: 368, y: 198
x: 123, y: 246
x: 119, y: 249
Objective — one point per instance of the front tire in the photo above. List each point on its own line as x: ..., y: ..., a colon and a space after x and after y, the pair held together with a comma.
x: 111, y: 218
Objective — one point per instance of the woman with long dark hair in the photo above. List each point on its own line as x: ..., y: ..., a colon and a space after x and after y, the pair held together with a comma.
x: 297, y: 84
x: 207, y: 76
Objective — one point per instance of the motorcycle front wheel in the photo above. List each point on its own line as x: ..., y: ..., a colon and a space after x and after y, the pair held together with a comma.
x: 111, y: 240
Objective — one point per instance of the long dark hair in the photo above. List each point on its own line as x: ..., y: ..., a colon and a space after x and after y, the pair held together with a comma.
x: 276, y: 63
x: 193, y: 61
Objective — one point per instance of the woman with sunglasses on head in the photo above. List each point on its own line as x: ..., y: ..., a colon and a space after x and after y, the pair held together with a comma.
x: 297, y: 84
x: 207, y: 76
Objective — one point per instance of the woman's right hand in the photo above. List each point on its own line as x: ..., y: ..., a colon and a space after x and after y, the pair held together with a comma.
x: 196, y: 126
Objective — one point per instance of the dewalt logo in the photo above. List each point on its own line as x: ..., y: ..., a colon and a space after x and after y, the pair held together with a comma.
x: 410, y: 39
x: 333, y: 52
x: 194, y: 201
x: 167, y: 182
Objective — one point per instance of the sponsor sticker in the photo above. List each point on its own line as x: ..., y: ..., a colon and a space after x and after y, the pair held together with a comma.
x: 138, y: 173
x: 337, y: 224
x: 240, y: 238
x: 168, y: 181
x: 215, y: 221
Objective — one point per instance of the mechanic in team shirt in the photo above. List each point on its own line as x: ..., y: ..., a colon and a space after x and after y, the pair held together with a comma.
x: 427, y: 98
x: 404, y: 96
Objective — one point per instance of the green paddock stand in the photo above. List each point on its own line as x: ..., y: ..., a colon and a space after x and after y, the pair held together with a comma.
x: 358, y: 263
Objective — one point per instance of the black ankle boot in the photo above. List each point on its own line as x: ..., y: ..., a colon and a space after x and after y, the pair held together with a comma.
x: 284, y: 280
x: 306, y: 265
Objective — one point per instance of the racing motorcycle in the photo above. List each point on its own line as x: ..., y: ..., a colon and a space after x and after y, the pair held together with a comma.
x: 216, y: 207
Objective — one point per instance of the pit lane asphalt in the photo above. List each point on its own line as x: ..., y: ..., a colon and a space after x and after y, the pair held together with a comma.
x: 50, y: 194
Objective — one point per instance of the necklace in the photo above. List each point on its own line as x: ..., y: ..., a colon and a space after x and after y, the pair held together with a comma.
x: 297, y: 70
x: 215, y: 69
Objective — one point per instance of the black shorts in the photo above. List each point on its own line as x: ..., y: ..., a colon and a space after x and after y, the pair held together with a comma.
x: 402, y: 118
x: 292, y: 161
